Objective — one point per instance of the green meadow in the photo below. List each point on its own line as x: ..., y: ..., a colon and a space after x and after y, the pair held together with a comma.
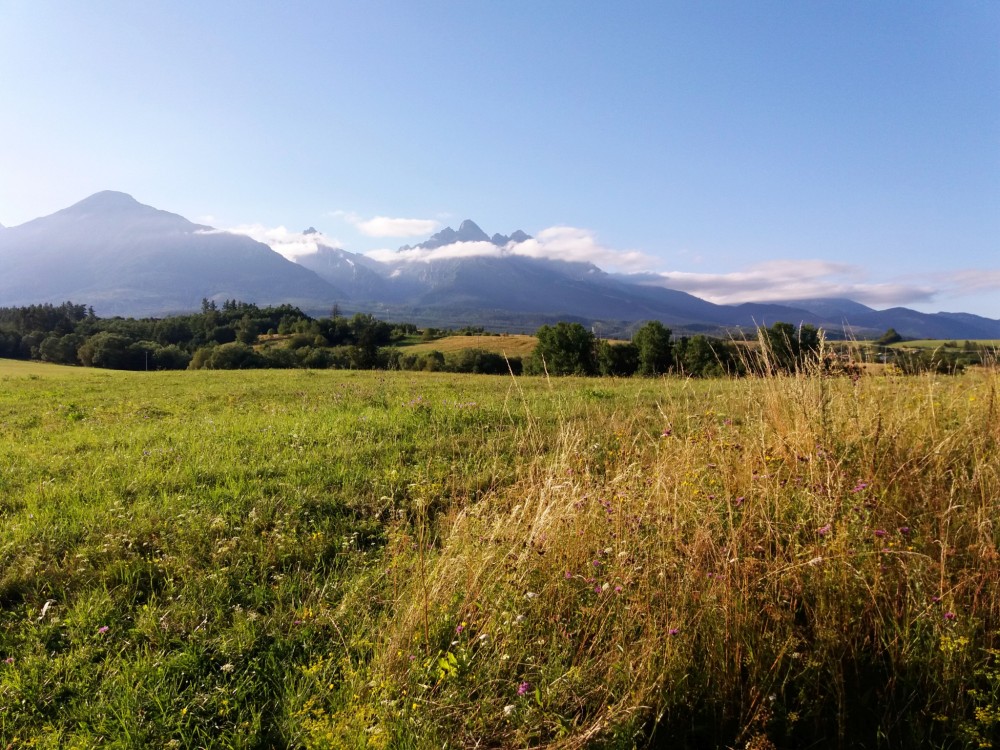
x: 295, y: 558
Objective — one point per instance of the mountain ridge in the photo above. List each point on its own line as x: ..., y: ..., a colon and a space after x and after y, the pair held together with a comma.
x: 124, y: 257
x: 127, y: 258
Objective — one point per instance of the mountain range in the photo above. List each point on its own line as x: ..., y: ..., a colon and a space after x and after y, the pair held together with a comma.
x: 126, y: 258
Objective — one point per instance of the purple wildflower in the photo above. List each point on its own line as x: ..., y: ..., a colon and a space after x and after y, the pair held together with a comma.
x: 598, y: 589
x: 881, y: 532
x: 568, y: 575
x: 935, y: 599
x: 460, y: 628
x: 824, y: 530
x: 860, y: 486
x: 9, y: 660
x: 103, y: 629
x: 949, y: 615
x: 523, y: 688
x: 618, y: 589
x: 673, y: 631
x: 739, y: 501
x: 904, y: 530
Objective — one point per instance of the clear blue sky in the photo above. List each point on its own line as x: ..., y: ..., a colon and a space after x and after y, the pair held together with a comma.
x: 745, y: 149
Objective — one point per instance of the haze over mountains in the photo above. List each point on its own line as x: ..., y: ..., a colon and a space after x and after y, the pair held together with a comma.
x: 126, y: 258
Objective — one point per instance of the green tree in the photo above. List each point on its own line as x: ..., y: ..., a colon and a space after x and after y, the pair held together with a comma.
x: 787, y: 348
x: 60, y: 349
x: 563, y: 349
x: 106, y: 349
x: 617, y: 360
x: 231, y: 356
x: 655, y: 351
x: 891, y: 336
x: 246, y: 330
x: 170, y: 357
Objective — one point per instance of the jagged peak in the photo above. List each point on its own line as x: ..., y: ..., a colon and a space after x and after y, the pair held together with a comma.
x: 468, y: 231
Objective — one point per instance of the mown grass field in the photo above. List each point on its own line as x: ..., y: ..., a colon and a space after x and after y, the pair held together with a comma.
x: 355, y: 559
x: 944, y: 344
x: 513, y: 345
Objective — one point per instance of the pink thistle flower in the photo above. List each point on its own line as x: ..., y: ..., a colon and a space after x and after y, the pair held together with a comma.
x: 949, y: 615
x: 9, y: 660
x: 824, y: 530
x: 881, y: 532
x: 523, y: 688
x: 103, y: 629
x: 673, y: 631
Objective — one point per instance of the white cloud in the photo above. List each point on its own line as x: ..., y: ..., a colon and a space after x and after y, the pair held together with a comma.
x: 386, y: 226
x: 769, y: 281
x: 971, y: 280
x: 779, y: 280
x: 422, y: 255
x: 291, y: 244
x: 580, y: 246
x: 556, y: 243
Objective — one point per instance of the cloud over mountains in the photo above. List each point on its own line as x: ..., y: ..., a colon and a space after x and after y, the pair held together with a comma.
x: 777, y: 280
x: 569, y: 244
x: 128, y: 258
x: 768, y: 281
x: 282, y: 240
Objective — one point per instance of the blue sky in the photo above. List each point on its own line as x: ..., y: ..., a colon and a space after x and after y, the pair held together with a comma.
x: 745, y: 150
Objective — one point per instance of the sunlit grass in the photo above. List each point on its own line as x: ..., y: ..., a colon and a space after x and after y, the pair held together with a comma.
x: 513, y: 345
x: 17, y: 367
x: 350, y: 559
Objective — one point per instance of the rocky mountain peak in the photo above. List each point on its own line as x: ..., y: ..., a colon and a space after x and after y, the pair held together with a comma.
x: 468, y: 231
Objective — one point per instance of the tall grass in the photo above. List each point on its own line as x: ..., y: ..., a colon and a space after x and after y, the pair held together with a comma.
x: 407, y: 560
x: 800, y: 561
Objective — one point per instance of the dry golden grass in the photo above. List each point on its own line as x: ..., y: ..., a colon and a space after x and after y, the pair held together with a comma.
x: 513, y: 345
x: 755, y: 568
x: 22, y: 368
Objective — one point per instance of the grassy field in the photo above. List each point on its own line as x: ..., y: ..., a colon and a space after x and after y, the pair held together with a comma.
x: 943, y: 344
x: 21, y: 368
x: 513, y: 345
x: 357, y: 559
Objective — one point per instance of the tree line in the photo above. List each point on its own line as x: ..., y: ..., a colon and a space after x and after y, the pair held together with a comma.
x: 218, y: 336
x: 240, y: 335
x: 570, y: 349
